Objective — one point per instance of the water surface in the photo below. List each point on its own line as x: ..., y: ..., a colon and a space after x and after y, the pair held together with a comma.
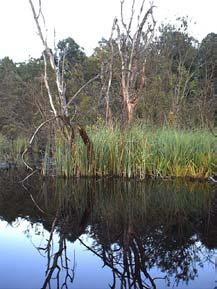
x: 108, y: 233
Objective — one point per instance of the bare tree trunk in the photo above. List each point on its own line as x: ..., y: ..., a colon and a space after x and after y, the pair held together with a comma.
x: 131, y: 49
x: 129, y: 105
x: 107, y: 70
x: 58, y: 102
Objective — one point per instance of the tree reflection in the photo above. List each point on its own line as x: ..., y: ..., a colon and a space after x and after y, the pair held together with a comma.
x: 128, y: 263
x: 142, y: 231
x: 67, y: 224
x: 132, y: 256
x: 57, y: 261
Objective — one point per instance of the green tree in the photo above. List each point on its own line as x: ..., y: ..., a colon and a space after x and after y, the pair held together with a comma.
x: 207, y: 74
x: 171, y: 75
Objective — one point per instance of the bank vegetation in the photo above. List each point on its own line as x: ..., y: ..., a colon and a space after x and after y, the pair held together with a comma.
x: 144, y: 103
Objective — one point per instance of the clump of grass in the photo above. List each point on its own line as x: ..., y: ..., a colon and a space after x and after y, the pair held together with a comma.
x: 11, y: 150
x: 64, y: 162
x: 183, y: 153
x: 138, y: 152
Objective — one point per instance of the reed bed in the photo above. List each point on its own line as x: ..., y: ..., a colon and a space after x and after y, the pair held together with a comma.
x: 11, y: 150
x: 139, y: 152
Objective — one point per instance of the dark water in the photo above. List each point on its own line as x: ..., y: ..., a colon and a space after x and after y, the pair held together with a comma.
x: 86, y: 234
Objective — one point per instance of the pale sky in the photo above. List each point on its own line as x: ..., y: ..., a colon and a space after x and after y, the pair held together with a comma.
x: 87, y: 21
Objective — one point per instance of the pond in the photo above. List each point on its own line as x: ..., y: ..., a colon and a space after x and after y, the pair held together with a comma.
x: 108, y: 233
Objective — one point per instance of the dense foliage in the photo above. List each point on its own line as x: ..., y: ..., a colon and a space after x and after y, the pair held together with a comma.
x: 180, y: 84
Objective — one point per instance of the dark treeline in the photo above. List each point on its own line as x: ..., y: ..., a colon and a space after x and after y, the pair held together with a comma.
x: 180, y: 83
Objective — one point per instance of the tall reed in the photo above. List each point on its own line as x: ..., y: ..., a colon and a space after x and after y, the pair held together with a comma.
x: 11, y: 150
x: 138, y: 152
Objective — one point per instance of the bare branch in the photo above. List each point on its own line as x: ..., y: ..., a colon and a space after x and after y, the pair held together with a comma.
x: 36, y: 17
x: 132, y: 52
x: 143, y: 22
x: 32, y: 139
x: 48, y: 87
x: 59, y: 79
x: 81, y: 88
x: 127, y: 27
x: 110, y: 73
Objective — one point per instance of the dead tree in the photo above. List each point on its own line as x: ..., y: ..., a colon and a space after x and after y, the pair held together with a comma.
x: 59, y: 104
x: 106, y: 78
x: 131, y: 41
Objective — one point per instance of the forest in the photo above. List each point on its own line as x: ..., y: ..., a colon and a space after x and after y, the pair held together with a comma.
x: 144, y: 103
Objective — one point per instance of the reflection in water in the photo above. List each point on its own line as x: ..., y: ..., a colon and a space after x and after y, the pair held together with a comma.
x: 149, y: 234
x: 57, y: 261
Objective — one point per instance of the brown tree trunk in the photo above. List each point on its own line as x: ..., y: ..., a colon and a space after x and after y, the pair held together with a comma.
x: 129, y: 106
x: 89, y: 145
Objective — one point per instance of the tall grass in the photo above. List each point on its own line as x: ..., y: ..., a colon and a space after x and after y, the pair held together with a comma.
x: 139, y: 152
x: 11, y: 150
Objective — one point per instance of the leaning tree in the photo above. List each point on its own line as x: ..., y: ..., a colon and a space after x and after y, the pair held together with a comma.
x: 54, y: 62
